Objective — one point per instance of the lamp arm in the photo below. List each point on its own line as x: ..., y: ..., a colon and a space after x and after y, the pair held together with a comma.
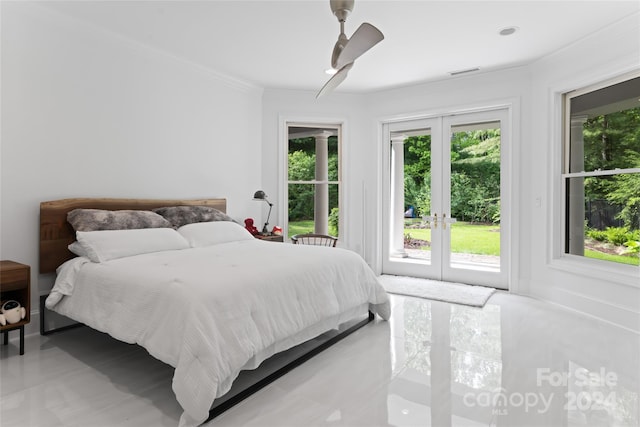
x: 265, y: 230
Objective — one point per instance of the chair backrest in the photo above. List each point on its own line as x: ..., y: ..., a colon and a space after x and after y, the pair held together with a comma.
x: 314, y: 239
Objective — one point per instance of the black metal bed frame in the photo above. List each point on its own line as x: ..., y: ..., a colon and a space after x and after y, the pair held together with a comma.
x: 233, y: 398
x: 276, y: 368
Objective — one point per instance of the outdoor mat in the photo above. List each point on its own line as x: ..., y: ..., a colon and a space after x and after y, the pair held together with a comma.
x: 456, y: 293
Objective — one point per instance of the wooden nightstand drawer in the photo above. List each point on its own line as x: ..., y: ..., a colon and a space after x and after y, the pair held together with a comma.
x: 13, y: 275
x: 270, y: 238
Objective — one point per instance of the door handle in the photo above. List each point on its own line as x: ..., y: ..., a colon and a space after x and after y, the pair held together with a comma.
x: 431, y: 219
x: 446, y: 221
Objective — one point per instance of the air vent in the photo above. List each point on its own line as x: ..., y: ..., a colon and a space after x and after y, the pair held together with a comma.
x: 470, y: 70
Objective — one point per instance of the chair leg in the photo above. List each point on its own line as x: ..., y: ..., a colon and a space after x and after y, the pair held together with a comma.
x: 21, y: 340
x: 6, y: 337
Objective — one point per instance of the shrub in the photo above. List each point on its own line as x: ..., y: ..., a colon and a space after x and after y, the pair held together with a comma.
x: 598, y: 235
x: 633, y: 247
x: 614, y: 235
x: 334, y: 221
x: 618, y: 235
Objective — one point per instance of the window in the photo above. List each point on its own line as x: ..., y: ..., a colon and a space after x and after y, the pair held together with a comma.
x: 313, y: 179
x: 601, y: 173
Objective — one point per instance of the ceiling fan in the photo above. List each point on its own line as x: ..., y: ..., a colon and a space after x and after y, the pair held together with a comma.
x: 347, y: 50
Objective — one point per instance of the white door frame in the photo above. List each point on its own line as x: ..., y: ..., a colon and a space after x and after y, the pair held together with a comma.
x: 398, y: 265
x: 508, y: 184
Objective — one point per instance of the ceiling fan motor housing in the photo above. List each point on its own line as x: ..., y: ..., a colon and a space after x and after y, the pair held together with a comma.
x: 341, y: 8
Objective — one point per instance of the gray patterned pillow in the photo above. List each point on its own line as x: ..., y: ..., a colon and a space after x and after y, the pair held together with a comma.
x: 98, y: 219
x: 183, y: 215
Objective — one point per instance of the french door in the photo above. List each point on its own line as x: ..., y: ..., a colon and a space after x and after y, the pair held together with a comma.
x: 447, y: 211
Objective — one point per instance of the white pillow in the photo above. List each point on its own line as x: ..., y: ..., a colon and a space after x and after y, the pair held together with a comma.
x: 200, y: 234
x: 105, y: 245
x: 78, y: 249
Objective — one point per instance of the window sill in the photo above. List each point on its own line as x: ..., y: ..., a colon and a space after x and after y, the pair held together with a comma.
x: 601, y: 270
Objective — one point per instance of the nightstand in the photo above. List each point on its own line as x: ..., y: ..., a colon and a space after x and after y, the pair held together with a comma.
x: 270, y: 238
x: 15, y: 284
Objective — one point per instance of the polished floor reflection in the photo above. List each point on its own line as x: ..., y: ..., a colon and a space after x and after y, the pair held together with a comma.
x: 515, y: 362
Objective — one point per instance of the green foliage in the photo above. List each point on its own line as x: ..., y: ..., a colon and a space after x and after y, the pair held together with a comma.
x: 301, y: 199
x: 417, y: 173
x: 475, y: 175
x: 423, y: 203
x: 633, y: 247
x: 301, y: 166
x: 617, y: 235
x: 598, y: 235
x: 625, y: 192
x: 614, y: 235
x: 417, y: 159
x: 334, y: 222
x: 613, y: 141
x: 418, y: 196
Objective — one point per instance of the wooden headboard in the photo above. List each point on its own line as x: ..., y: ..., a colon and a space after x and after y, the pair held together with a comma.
x: 56, y: 233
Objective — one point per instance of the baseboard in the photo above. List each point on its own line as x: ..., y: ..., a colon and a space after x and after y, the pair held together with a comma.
x: 593, y: 308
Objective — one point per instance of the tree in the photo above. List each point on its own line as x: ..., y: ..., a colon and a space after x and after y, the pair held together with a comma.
x: 476, y: 162
x: 475, y: 175
x: 417, y: 172
x: 613, y: 141
x: 301, y: 167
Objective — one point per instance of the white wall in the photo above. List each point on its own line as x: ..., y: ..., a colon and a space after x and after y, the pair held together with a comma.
x: 601, y: 56
x: 86, y: 113
x: 604, y: 54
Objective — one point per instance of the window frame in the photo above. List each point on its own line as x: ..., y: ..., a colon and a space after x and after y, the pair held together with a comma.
x: 285, y: 123
x: 559, y: 259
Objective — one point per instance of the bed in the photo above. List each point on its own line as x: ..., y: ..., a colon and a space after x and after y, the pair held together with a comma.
x: 214, y: 307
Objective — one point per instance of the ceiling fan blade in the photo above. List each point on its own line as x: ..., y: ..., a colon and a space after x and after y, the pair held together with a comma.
x: 365, y: 37
x: 335, y: 80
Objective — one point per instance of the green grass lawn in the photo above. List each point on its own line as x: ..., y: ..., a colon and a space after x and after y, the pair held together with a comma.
x: 466, y: 238
x: 615, y: 258
x: 300, y: 227
x: 471, y: 239
x: 485, y: 240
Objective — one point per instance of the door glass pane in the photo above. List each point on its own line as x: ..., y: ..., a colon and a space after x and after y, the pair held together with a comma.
x: 475, y: 197
x: 417, y: 196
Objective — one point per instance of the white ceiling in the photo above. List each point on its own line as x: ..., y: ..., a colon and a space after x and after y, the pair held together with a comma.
x: 288, y: 44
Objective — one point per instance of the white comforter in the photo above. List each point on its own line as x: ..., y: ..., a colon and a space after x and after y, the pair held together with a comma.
x: 211, y: 312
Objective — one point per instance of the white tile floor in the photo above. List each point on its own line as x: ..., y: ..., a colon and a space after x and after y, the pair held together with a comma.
x: 516, y: 362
